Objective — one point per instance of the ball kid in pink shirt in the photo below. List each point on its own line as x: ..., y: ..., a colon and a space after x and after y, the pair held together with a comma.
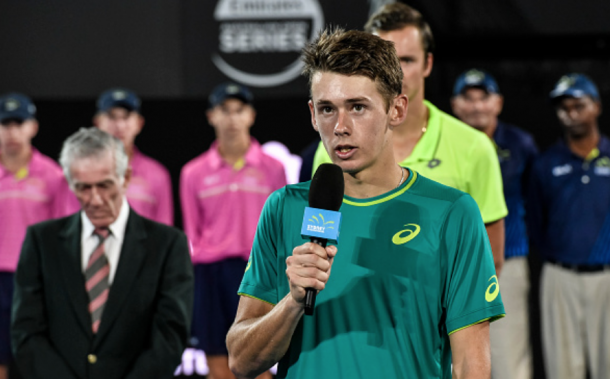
x: 32, y: 189
x: 150, y: 190
x: 222, y: 194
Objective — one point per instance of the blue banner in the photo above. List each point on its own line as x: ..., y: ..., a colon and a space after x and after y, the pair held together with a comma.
x: 321, y: 223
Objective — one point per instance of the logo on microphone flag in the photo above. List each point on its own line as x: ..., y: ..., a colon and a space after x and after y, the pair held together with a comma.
x: 321, y: 223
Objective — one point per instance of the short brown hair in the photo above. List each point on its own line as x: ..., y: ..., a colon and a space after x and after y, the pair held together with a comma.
x: 355, y: 53
x: 396, y: 16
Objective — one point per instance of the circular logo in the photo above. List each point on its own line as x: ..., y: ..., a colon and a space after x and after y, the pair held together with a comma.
x: 260, y: 41
x: 434, y: 163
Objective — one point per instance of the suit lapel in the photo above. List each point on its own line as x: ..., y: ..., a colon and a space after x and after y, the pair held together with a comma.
x: 71, y: 269
x: 132, y: 257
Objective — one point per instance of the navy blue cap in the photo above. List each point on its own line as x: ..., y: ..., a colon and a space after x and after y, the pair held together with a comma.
x: 16, y: 106
x: 226, y: 91
x: 475, y: 79
x: 118, y: 97
x: 574, y: 85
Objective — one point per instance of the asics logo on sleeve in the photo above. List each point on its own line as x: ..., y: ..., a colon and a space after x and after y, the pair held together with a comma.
x: 406, y: 235
x: 489, y: 295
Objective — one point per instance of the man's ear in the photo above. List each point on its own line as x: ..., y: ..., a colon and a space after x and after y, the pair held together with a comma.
x: 210, y: 116
x: 398, y: 110
x: 312, y: 111
x: 34, y: 128
x: 428, y: 64
x: 127, y: 177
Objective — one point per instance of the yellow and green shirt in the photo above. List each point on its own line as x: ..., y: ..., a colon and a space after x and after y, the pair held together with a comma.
x: 455, y: 154
x: 413, y: 266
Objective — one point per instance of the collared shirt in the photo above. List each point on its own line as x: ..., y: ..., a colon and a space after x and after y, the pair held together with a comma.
x: 112, y: 244
x: 221, y: 203
x: 456, y: 155
x: 150, y: 189
x: 516, y: 151
x: 36, y: 193
x: 569, y: 205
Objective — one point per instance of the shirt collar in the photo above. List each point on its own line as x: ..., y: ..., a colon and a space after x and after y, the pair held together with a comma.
x: 499, y: 132
x: 252, y: 157
x: 117, y: 228
x: 603, y: 147
x: 32, y: 165
x: 426, y: 147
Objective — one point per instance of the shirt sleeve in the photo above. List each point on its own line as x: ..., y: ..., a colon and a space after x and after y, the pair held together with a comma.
x: 165, y: 208
x: 485, y: 181
x: 190, y: 211
x: 471, y: 290
x: 321, y: 156
x: 260, y: 280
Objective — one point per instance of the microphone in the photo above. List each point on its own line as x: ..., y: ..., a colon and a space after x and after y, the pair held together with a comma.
x: 321, y: 221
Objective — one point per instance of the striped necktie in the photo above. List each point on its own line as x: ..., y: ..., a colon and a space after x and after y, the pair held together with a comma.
x: 96, y: 276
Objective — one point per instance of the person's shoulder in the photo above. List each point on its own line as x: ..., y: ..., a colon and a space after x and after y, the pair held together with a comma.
x: 196, y: 164
x: 434, y: 190
x: 291, y: 193
x: 47, y: 164
x: 54, y: 226
x: 517, y: 134
x: 271, y: 163
x: 460, y: 135
x: 159, y: 230
x: 150, y: 164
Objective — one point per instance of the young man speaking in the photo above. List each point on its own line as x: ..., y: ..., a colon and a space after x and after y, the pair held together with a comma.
x: 392, y: 307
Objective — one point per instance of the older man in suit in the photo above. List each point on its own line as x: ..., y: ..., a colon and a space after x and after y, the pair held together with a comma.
x: 104, y: 293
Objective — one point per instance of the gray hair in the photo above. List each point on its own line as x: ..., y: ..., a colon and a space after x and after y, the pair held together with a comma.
x: 92, y: 142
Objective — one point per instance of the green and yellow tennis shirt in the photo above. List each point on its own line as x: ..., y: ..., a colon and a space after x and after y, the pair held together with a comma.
x: 413, y: 266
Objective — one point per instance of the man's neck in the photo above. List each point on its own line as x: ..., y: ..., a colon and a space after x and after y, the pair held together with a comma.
x: 491, y: 129
x: 583, y: 145
x: 129, y: 150
x: 233, y: 149
x: 407, y: 134
x: 375, y: 181
x: 17, y: 161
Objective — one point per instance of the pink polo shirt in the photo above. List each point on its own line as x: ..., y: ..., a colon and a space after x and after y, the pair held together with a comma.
x: 150, y: 190
x: 27, y: 197
x: 221, y: 204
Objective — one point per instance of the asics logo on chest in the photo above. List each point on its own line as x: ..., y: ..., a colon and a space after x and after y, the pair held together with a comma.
x: 406, y: 235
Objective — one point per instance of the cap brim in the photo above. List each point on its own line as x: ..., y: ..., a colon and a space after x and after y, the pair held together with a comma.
x: 225, y: 98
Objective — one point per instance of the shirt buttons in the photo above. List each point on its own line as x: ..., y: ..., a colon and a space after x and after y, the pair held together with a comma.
x: 92, y: 358
x: 585, y: 179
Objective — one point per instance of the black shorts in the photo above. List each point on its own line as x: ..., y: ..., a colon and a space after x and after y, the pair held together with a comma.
x: 215, y: 303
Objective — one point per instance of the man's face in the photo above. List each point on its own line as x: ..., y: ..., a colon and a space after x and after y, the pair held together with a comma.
x: 121, y: 123
x: 578, y: 116
x: 231, y: 118
x: 415, y: 64
x: 16, y: 135
x: 477, y: 108
x: 352, y: 118
x: 98, y: 188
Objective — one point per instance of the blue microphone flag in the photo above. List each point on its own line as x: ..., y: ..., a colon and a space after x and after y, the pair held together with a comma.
x: 321, y: 223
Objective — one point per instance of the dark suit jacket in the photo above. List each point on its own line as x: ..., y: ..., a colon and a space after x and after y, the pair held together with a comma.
x: 145, y: 325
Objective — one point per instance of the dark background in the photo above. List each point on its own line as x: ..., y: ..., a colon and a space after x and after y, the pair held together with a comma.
x: 64, y: 53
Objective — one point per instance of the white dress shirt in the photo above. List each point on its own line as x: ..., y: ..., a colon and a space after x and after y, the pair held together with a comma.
x: 112, y: 245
